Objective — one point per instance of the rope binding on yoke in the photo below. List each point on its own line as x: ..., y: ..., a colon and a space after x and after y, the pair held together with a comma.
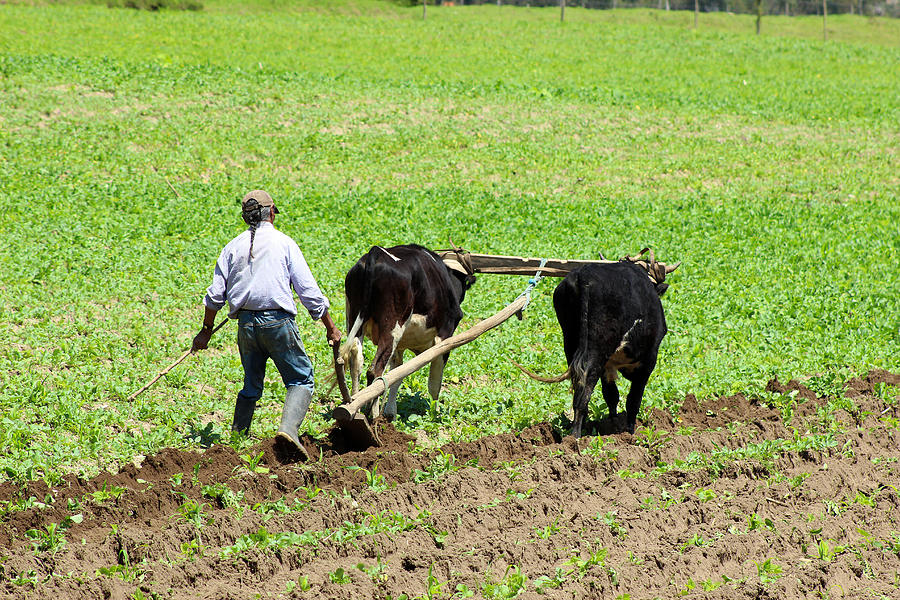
x: 532, y: 283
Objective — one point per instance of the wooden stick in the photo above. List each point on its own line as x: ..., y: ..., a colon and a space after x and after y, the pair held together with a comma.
x: 363, y: 397
x: 172, y: 366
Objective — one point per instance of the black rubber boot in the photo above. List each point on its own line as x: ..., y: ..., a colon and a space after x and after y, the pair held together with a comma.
x: 296, y: 403
x: 243, y: 414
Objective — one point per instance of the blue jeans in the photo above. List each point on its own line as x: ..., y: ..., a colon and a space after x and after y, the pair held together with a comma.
x: 264, y: 334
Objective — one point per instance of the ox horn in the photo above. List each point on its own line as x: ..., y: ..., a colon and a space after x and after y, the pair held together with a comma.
x: 670, y: 268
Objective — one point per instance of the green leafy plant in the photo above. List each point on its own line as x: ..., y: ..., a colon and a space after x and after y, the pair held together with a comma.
x: 695, y: 540
x: 339, y: 576
x: 107, y: 493
x: 615, y: 528
x: 51, y: 538
x: 768, y: 571
x: 511, y: 585
x: 374, y: 480
x: 439, y: 467
x: 548, y: 530
x: 252, y: 462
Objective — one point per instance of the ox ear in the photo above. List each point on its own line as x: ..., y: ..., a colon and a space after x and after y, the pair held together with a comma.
x: 661, y: 288
x: 468, y: 281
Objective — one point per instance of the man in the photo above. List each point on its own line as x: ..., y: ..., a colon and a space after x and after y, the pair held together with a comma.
x: 255, y: 274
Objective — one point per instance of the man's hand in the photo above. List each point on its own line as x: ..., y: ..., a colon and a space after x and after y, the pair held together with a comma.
x: 332, y: 333
x: 201, y: 340
x: 334, y: 336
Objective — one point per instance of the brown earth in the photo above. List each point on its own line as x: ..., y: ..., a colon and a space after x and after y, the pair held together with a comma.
x: 736, y: 514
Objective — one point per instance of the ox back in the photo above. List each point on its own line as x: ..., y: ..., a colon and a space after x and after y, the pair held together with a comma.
x: 612, y: 322
x: 401, y: 298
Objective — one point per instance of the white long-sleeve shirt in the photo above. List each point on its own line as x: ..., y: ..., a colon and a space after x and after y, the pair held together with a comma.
x: 265, y: 281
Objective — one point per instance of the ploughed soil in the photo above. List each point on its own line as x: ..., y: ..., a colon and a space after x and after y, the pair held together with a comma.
x: 723, y: 500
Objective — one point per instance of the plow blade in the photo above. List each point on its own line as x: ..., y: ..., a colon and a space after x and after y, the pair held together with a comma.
x: 354, y: 424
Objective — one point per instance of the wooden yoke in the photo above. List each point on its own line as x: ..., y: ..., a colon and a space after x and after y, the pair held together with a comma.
x: 516, y: 265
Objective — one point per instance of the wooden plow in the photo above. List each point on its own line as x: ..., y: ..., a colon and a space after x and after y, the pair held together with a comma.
x: 350, y: 415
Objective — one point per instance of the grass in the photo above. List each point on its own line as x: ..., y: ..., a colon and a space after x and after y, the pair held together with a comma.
x: 768, y: 164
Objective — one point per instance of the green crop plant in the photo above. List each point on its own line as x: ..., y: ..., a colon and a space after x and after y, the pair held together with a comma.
x: 440, y: 466
x: 224, y: 496
x: 755, y: 522
x: 705, y: 495
x: 615, y: 528
x: 581, y: 566
x: 269, y: 508
x: 339, y: 576
x: 512, y: 469
x: 252, y: 463
x: 827, y: 552
x: 107, y: 493
x: 51, y: 538
x: 548, y: 530
x: 545, y: 582
x: 768, y: 571
x: 462, y: 591
x: 797, y: 481
x: 689, y: 587
x: 695, y: 540
x: 377, y: 572
x: 374, y: 480
x: 23, y: 578
x: 598, y: 448
x: 651, y: 438
x: 511, y: 585
x: 629, y: 474
x: 433, y: 585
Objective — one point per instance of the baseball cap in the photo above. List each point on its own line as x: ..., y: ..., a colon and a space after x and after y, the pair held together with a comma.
x: 262, y: 197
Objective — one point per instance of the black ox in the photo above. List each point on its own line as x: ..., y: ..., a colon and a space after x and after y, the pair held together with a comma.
x: 402, y: 298
x: 612, y: 322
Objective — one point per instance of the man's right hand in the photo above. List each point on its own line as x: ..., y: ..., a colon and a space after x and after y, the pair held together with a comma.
x: 201, y: 340
x: 334, y: 337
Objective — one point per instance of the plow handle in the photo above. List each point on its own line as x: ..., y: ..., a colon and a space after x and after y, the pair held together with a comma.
x: 339, y: 371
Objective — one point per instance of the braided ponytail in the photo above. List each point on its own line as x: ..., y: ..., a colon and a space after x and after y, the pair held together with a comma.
x: 252, y: 215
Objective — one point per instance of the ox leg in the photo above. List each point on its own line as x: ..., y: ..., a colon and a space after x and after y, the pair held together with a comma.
x: 383, y: 356
x: 390, y: 407
x: 436, y: 377
x: 611, y: 396
x: 635, y: 396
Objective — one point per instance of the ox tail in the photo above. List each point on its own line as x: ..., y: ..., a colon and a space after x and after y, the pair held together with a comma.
x: 555, y: 379
x: 369, y: 261
x: 579, y: 365
x: 354, y: 332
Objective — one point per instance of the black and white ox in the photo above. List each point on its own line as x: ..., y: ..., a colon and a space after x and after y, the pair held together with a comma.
x: 612, y: 322
x: 402, y: 298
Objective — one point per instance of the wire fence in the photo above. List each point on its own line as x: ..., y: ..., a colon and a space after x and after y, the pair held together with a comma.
x: 887, y: 8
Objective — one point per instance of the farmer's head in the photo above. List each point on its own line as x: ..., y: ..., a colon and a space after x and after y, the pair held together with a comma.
x: 258, y: 206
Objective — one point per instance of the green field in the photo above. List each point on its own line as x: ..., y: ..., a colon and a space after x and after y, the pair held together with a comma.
x: 767, y: 164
